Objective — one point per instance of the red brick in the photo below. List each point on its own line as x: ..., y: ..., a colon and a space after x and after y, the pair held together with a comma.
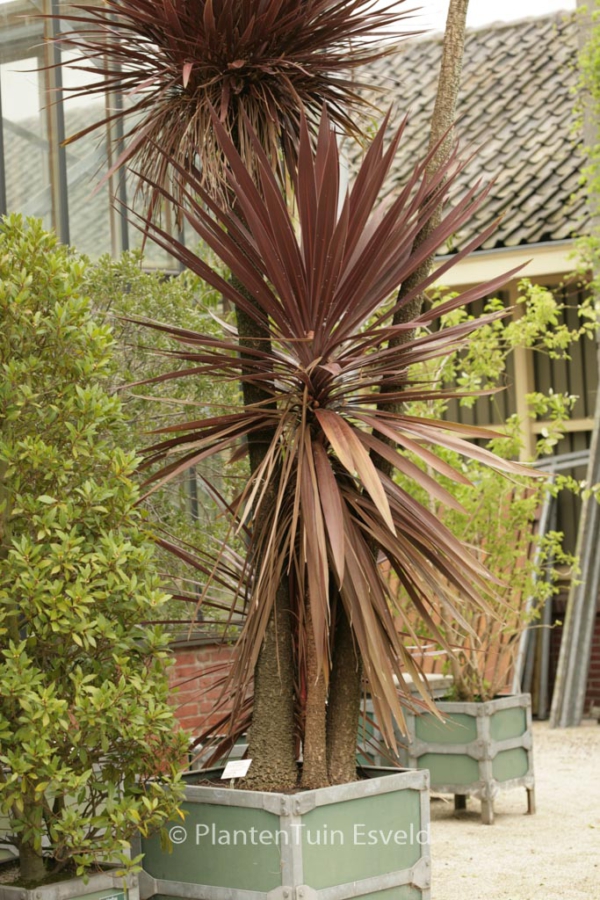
x: 196, y: 682
x: 593, y: 686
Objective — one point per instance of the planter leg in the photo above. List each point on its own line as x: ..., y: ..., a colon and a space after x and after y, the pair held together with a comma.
x: 487, y: 812
x: 460, y: 801
x: 531, y: 808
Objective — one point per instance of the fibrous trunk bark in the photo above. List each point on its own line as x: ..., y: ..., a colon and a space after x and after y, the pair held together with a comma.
x: 271, y: 741
x: 314, y: 756
x: 442, y: 134
x: 344, y: 704
x: 343, y: 698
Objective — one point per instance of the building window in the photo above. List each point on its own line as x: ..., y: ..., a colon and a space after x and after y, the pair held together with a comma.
x: 42, y: 176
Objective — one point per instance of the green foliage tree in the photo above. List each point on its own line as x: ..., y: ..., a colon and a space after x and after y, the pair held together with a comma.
x: 497, y: 516
x: 186, y: 511
x: 88, y: 748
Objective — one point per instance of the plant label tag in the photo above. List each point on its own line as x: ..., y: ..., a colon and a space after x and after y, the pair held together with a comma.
x: 236, y: 768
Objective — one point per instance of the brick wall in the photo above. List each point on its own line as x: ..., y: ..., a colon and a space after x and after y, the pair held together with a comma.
x: 593, y: 688
x: 200, y: 664
x: 199, y: 667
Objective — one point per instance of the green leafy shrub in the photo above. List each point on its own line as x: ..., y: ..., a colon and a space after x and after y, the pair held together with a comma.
x: 496, y: 516
x: 186, y: 510
x: 88, y: 747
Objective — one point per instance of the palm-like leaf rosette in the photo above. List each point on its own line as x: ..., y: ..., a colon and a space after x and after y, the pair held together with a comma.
x: 259, y: 63
x: 318, y: 508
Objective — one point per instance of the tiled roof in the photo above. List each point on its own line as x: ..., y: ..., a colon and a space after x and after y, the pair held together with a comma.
x: 515, y: 111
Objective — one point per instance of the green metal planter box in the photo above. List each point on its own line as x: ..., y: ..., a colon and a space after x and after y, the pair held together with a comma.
x: 478, y: 750
x: 367, y: 840
x: 101, y: 886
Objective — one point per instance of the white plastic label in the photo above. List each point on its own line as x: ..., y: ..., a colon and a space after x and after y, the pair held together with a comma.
x: 236, y: 768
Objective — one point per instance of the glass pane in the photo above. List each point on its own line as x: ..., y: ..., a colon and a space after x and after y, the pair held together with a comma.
x: 31, y: 141
x: 154, y: 256
x: 94, y: 216
x: 90, y: 212
x: 24, y: 119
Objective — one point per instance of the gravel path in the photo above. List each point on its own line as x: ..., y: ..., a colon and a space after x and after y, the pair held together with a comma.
x: 554, y: 855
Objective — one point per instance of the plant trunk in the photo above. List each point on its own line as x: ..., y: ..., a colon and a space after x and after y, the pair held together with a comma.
x: 442, y: 133
x: 314, y: 764
x: 344, y: 704
x: 30, y: 858
x: 32, y: 865
x: 344, y: 695
x: 271, y: 740
x: 272, y: 734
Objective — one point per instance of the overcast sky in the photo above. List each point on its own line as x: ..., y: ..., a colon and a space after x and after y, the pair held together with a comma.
x: 483, y: 11
x: 20, y: 95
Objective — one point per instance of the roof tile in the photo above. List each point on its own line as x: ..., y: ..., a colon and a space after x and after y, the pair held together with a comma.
x: 515, y: 111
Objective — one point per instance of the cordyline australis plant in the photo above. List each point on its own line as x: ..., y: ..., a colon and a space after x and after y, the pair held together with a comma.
x: 322, y: 518
x: 270, y: 60
x: 261, y: 66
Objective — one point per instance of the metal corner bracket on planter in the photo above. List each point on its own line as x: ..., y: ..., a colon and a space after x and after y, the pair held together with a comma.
x: 478, y: 750
x: 100, y: 886
x: 367, y: 840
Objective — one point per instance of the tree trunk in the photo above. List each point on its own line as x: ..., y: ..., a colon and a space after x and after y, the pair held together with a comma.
x: 272, y: 734
x: 444, y: 114
x: 344, y: 704
x: 33, y: 870
x: 343, y: 699
x: 271, y: 740
x: 30, y: 859
x: 314, y: 756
